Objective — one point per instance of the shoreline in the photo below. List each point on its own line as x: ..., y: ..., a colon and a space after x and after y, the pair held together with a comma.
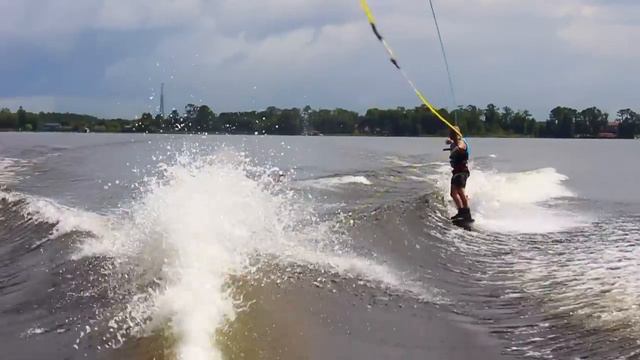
x: 4, y: 131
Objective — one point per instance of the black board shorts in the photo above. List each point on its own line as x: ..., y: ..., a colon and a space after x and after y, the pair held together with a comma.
x: 460, y: 179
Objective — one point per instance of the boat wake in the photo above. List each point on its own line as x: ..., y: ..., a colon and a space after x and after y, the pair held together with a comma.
x: 166, y: 258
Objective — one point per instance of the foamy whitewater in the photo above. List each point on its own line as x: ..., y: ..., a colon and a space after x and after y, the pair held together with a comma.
x: 516, y: 202
x: 8, y: 170
x: 191, y: 228
x: 141, y: 246
x: 332, y: 182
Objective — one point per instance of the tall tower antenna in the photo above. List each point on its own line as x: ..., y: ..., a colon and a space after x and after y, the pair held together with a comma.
x: 162, y: 100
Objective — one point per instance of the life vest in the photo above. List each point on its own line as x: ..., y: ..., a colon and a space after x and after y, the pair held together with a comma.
x: 459, y: 159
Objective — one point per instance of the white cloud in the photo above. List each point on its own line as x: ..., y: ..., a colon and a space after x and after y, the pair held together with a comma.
x: 128, y: 14
x: 30, y: 19
x: 527, y: 53
x: 604, y: 40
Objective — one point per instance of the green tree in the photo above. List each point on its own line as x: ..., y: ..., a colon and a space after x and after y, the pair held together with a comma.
x: 506, y: 118
x: 21, y: 115
x: 592, y: 121
x: 322, y: 121
x: 306, y: 124
x: 174, y: 120
x: 426, y: 122
x: 520, y: 122
x: 470, y: 118
x: 403, y: 124
x: 32, y: 120
x: 8, y: 120
x: 204, y: 119
x: 189, y: 118
x: 531, y: 127
x: 562, y: 122
x: 268, y: 120
x: 246, y: 122
x: 290, y: 122
x: 345, y: 121
x: 389, y: 121
x: 113, y: 126
x: 159, y: 123
x: 492, y: 119
x: 144, y: 124
x: 629, y: 124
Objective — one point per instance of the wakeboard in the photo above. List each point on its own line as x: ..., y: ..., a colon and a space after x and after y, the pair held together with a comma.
x: 464, y: 223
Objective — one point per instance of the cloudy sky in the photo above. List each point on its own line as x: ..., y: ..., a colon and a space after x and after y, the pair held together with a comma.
x: 108, y: 57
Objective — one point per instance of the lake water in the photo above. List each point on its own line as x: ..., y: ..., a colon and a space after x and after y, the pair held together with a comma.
x: 207, y: 247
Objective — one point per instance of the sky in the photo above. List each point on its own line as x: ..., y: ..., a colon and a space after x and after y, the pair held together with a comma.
x: 108, y: 57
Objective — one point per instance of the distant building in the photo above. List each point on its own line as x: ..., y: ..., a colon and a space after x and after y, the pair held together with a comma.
x: 52, y: 127
x: 612, y: 126
x: 607, y: 135
x: 610, y: 131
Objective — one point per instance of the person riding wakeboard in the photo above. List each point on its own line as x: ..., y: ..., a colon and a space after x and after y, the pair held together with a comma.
x: 458, y: 159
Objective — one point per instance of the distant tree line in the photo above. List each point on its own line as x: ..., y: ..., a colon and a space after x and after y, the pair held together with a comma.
x: 563, y: 122
x: 23, y: 120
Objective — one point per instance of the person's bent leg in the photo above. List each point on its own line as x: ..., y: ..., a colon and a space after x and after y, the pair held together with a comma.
x: 457, y: 201
x: 463, y: 198
x: 465, y: 212
x: 456, y: 197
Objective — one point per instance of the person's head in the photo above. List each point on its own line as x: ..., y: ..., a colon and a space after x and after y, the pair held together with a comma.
x: 453, y: 135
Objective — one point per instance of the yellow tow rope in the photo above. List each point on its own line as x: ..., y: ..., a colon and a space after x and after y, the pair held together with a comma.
x: 372, y: 21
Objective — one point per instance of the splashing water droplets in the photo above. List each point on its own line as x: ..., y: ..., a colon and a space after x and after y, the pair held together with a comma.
x: 200, y: 221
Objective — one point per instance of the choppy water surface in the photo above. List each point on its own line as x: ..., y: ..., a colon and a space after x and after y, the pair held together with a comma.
x: 200, y: 247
